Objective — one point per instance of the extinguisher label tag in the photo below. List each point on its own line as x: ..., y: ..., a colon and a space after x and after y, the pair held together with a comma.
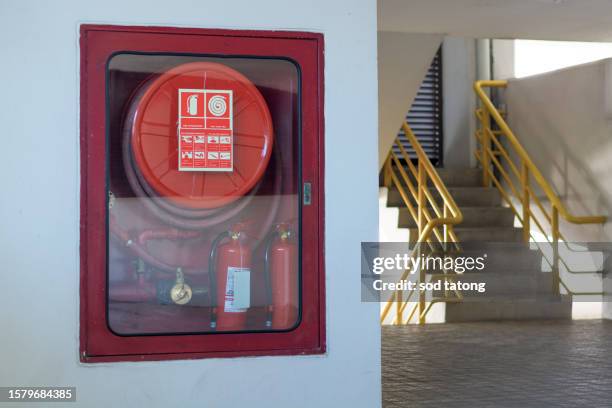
x: 205, y: 130
x: 237, y: 290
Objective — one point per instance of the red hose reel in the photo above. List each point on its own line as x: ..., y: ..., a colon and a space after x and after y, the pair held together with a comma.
x: 196, y: 204
x: 154, y: 142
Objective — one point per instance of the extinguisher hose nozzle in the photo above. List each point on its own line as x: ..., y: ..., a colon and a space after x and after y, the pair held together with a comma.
x: 212, y: 276
x: 268, y: 282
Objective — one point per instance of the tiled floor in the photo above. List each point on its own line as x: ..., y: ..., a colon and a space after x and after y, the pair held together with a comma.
x: 507, y: 364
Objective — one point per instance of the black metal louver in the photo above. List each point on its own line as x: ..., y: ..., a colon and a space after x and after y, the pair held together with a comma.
x: 425, y: 115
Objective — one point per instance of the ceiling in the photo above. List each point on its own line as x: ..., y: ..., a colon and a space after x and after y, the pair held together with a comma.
x: 570, y: 20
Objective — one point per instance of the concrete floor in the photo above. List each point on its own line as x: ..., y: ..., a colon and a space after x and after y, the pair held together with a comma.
x: 506, y: 364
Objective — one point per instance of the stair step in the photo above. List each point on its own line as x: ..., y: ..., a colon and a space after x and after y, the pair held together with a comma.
x: 461, y: 177
x: 472, y: 217
x: 507, y: 285
x: 463, y: 196
x: 489, y: 234
x: 452, y: 177
x: 511, y: 260
x: 472, y: 311
x: 480, y: 234
x: 511, y: 263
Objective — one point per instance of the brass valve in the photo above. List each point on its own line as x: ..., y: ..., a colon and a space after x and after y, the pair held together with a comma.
x: 181, y: 292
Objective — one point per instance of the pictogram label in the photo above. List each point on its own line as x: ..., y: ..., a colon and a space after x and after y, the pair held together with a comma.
x: 205, y: 130
x: 237, y: 290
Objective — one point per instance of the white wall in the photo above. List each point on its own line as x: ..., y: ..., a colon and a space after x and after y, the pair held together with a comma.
x: 563, y: 119
x: 503, y: 59
x: 403, y: 61
x: 39, y: 214
x: 458, y: 76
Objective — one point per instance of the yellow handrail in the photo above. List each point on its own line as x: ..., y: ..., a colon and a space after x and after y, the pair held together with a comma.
x: 417, y: 200
x: 489, y: 158
x: 505, y: 129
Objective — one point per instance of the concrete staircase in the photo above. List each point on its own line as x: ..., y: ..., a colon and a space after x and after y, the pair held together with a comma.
x: 517, y: 289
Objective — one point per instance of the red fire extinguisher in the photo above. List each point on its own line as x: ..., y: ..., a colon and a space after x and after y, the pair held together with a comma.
x: 282, y: 279
x: 230, y: 279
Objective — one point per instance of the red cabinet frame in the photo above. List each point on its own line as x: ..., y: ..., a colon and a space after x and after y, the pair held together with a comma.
x: 97, y: 44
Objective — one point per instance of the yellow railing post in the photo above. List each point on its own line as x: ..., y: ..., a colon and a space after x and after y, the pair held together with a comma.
x: 422, y: 185
x: 486, y: 146
x: 555, y: 243
x: 445, y: 235
x: 422, y: 294
x: 526, y: 204
x: 387, y: 172
x: 398, y: 306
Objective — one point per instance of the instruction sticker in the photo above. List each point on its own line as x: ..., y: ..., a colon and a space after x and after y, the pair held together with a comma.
x: 237, y: 290
x: 205, y: 130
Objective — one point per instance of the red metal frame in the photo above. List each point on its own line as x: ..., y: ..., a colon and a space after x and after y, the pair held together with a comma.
x: 98, y: 43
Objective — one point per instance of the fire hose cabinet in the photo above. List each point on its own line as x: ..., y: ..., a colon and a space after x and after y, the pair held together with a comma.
x: 201, y: 193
